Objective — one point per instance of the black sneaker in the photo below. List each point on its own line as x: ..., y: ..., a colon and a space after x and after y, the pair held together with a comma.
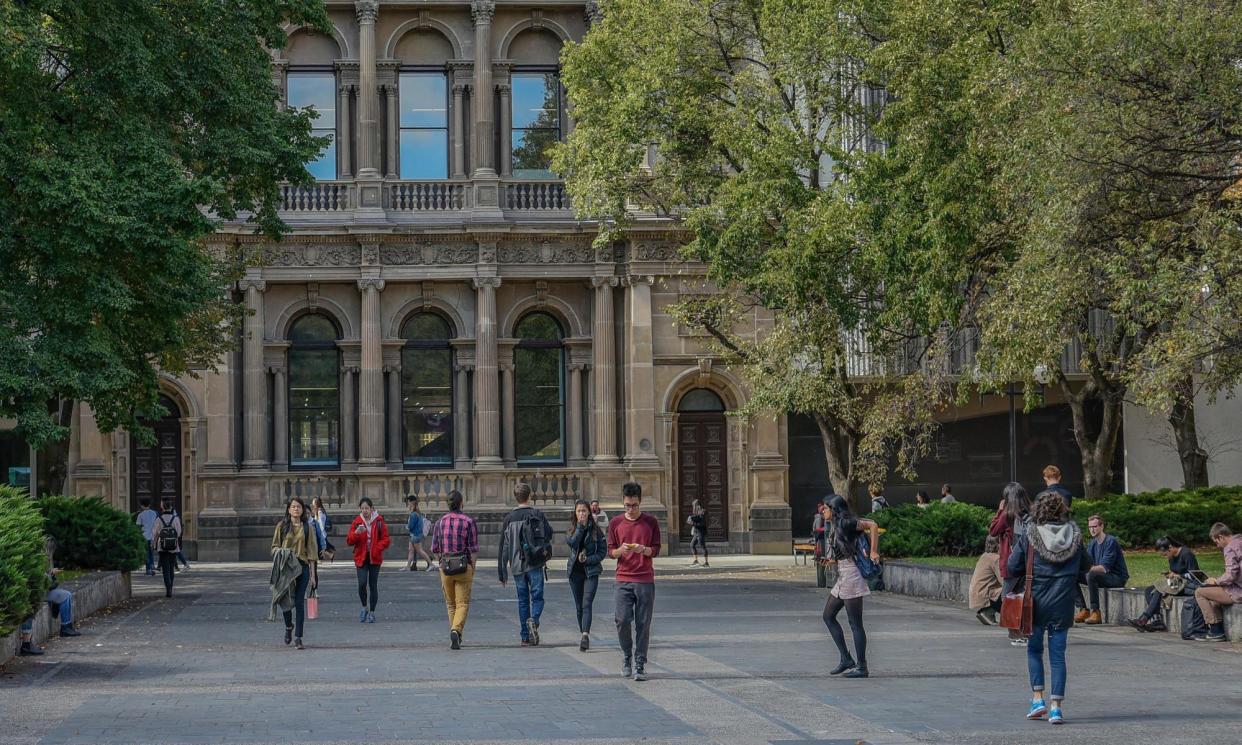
x: 288, y: 635
x: 626, y: 670
x: 843, y: 667
x: 298, y: 643
x: 29, y: 649
x: 1211, y: 636
x: 454, y: 640
x: 585, y: 644
x: 640, y: 673
x: 858, y: 672
x: 983, y: 618
x: 532, y: 628
x: 68, y: 630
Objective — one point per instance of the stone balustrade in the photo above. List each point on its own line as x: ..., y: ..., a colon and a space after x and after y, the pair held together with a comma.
x: 527, y: 196
x: 322, y: 196
x: 426, y: 196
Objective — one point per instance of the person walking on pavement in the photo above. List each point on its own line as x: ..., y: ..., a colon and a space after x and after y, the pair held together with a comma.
x: 525, y: 547
x: 1052, y: 548
x: 294, y: 541
x: 166, y: 541
x: 818, y: 533
x: 368, y: 534
x: 634, y: 540
x: 599, y: 516
x: 1052, y: 483
x: 850, y: 588
x: 455, y: 546
x: 146, y: 520
x: 416, y: 527
x: 587, y: 548
x: 697, y: 520
x: 1012, y: 520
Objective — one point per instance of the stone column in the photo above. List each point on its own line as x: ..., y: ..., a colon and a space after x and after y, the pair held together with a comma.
x: 506, y: 124
x: 484, y: 118
x: 461, y: 404
x: 459, y: 130
x: 349, y: 415
x: 391, y: 133
x: 640, y: 373
x: 506, y: 387
x: 486, y: 390
x: 395, y: 414
x: 342, y: 128
x: 254, y: 378
x: 368, y: 156
x: 280, y: 415
x: 573, y: 429
x: 371, y: 378
x: 603, y: 360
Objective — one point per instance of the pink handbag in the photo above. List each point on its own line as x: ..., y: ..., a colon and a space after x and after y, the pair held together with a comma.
x: 312, y: 607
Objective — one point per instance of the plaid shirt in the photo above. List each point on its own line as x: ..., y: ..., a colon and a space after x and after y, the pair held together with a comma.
x: 455, y: 533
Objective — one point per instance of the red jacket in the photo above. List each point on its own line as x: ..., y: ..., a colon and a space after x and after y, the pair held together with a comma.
x: 379, y: 541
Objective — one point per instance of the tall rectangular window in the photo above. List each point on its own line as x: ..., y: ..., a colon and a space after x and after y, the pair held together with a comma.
x: 317, y: 90
x: 536, y: 122
x: 424, y: 125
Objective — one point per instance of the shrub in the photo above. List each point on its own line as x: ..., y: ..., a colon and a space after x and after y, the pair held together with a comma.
x: 23, y: 568
x: 91, y: 534
x: 941, y: 529
x: 1137, y: 520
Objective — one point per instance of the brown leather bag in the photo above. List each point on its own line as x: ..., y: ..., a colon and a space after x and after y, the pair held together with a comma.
x: 1018, y: 608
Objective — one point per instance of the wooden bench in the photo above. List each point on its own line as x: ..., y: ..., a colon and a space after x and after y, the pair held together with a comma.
x: 803, y: 547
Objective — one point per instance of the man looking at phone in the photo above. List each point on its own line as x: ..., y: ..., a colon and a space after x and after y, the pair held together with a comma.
x: 633, y: 541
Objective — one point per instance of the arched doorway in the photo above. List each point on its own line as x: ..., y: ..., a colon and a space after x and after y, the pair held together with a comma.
x: 157, y: 468
x: 702, y: 461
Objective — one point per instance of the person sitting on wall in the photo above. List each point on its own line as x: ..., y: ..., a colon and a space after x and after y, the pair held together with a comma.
x: 1108, y: 569
x: 1177, y: 581
x: 1224, y: 590
x: 985, y: 583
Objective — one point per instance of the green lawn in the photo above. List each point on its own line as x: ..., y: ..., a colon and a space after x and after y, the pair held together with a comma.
x: 1145, y: 566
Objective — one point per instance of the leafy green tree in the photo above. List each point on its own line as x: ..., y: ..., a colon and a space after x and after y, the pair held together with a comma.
x: 127, y: 131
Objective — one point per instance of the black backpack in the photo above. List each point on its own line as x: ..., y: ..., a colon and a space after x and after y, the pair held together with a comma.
x: 168, y: 537
x: 536, y: 540
x: 1192, y: 620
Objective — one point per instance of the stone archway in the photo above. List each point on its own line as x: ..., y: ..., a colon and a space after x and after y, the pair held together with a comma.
x: 703, y: 462
x: 156, y: 468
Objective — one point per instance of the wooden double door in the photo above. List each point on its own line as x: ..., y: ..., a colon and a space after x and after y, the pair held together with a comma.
x: 156, y: 468
x: 702, y: 471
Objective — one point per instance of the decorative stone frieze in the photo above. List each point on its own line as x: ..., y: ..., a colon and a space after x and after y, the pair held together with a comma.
x: 312, y: 254
x: 404, y: 254
x: 557, y: 251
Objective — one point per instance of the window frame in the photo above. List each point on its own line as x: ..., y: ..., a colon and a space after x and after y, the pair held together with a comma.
x: 517, y: 72
x: 447, y: 128
x: 562, y: 407
x: 440, y: 345
x: 335, y: 129
x: 297, y: 346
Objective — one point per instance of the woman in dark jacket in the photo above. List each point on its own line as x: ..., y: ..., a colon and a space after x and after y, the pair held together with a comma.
x: 1058, y: 557
x: 587, y: 547
x: 1182, y: 561
x: 1013, y: 519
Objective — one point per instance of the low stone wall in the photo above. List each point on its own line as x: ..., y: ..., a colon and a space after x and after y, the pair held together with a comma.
x: 91, y: 593
x: 951, y: 583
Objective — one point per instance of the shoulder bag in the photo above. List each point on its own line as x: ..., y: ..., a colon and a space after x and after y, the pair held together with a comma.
x: 452, y: 564
x: 1018, y: 608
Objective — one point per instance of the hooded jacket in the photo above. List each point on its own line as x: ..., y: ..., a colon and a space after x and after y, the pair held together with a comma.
x: 1059, y: 558
x: 371, y: 543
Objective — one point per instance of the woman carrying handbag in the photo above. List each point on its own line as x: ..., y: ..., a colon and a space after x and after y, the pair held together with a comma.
x: 1047, y: 561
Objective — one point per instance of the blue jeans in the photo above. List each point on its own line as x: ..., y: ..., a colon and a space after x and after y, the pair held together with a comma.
x: 64, y: 599
x: 150, y: 557
x: 1057, y: 640
x: 530, y: 597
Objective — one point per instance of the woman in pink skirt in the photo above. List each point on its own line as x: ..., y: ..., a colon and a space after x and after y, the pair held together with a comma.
x: 850, y: 589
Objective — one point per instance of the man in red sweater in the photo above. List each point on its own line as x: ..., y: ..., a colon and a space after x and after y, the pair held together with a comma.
x: 633, y: 540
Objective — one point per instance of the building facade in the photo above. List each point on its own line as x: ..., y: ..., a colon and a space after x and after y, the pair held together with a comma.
x: 438, y: 319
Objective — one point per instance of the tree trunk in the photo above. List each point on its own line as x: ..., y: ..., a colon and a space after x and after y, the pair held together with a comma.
x: 1182, y: 418
x: 840, y: 450
x: 1098, y: 451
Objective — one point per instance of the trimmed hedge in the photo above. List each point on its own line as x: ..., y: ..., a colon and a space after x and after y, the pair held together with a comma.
x: 91, y: 534
x: 1137, y: 520
x: 940, y: 529
x: 23, y: 567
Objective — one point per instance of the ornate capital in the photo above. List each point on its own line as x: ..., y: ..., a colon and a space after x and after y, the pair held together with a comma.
x: 459, y: 89
x: 481, y: 282
x: 392, y: 369
x: 276, y: 369
x: 345, y: 90
x: 640, y: 279
x: 502, y: 89
x: 367, y: 10
x: 598, y: 282
x: 252, y: 284
x: 481, y: 11
x: 576, y: 366
x: 350, y: 369
x: 369, y: 283
x: 506, y: 367
x: 463, y: 367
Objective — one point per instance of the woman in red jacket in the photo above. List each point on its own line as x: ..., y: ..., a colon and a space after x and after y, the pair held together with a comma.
x: 369, y: 536
x: 1013, y: 518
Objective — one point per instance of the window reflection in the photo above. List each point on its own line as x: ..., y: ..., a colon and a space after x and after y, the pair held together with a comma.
x: 424, y: 125
x: 317, y: 90
x: 427, y: 391
x: 536, y: 111
x: 314, y: 393
x: 538, y: 401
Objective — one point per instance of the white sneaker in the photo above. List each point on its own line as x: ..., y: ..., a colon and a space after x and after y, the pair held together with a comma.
x: 433, y: 566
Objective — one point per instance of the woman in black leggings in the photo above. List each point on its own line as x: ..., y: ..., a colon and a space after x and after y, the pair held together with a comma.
x: 368, y: 534
x: 850, y: 589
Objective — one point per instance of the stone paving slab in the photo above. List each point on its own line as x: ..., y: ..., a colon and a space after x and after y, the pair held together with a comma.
x: 739, y: 656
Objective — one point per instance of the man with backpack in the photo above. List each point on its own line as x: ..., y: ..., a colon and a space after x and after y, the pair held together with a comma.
x: 166, y: 539
x: 525, y: 547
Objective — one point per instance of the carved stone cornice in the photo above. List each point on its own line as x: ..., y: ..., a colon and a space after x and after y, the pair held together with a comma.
x: 428, y: 253
x: 546, y: 251
x: 311, y: 254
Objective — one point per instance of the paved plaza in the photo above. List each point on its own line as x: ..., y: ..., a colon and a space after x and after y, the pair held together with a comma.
x: 739, y: 655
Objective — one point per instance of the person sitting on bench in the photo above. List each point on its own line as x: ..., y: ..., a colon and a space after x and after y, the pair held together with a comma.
x: 1177, y: 581
x: 1108, y: 569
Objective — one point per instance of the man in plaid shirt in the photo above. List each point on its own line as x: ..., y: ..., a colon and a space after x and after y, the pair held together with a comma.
x: 455, y: 533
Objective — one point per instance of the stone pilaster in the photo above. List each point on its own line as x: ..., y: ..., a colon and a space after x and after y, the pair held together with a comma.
x: 639, y: 374
x: 506, y: 143
x: 254, y: 378
x: 604, y: 356
x: 486, y: 385
x: 459, y: 130
x: 461, y: 421
x: 484, y: 118
x: 395, y: 412
x: 368, y: 155
x: 344, y: 165
x: 391, y: 133
x: 507, y: 419
x: 573, y: 428
x: 349, y: 416
x: 371, y: 378
x: 280, y: 415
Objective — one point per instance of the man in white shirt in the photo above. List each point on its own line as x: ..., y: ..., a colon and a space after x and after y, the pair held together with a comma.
x: 146, y: 520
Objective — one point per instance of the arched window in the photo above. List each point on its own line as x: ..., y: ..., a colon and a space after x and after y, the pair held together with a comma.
x: 311, y: 83
x: 700, y: 399
x: 314, y: 393
x: 539, y: 385
x: 427, y: 391
x: 537, y: 106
